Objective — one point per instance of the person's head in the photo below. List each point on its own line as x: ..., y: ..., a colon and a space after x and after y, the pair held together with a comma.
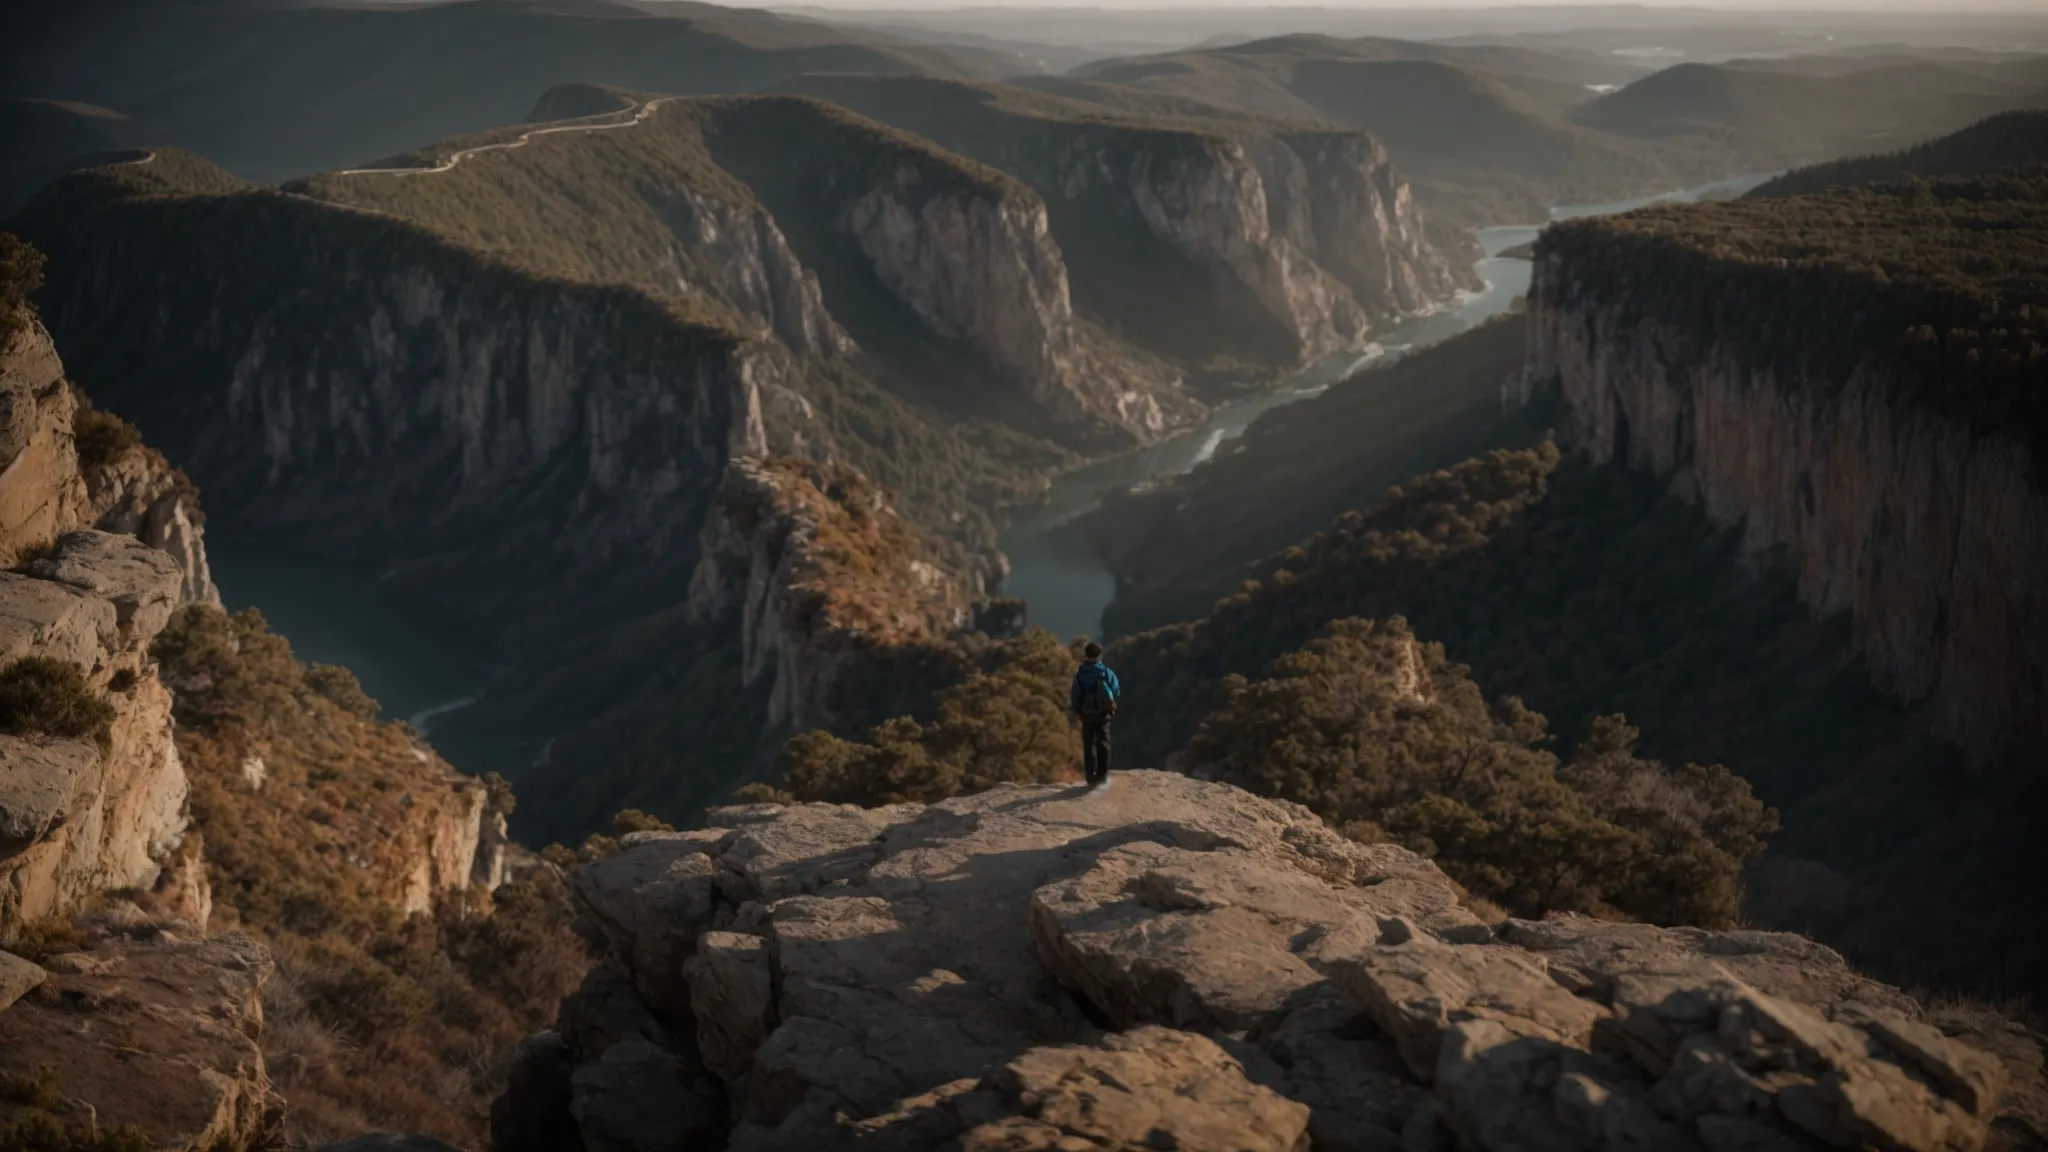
x: 1092, y: 651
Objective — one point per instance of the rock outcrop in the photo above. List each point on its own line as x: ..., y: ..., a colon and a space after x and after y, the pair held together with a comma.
x: 737, y: 253
x: 154, y: 1031
x: 1170, y: 963
x: 816, y: 568
x: 47, y: 486
x: 984, y: 269
x: 79, y: 815
x: 1932, y: 535
x: 1336, y: 197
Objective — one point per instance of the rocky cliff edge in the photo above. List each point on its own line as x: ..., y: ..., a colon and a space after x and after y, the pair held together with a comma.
x: 1166, y: 963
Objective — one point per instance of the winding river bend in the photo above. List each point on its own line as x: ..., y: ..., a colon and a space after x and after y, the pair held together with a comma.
x: 1052, y: 568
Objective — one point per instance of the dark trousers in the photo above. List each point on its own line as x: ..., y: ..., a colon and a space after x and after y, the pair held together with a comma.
x: 1095, y: 750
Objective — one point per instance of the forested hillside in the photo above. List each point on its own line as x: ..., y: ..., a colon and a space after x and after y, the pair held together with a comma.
x: 2005, y: 141
x: 1181, y: 545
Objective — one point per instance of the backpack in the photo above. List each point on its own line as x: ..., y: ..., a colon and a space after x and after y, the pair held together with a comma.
x: 1097, y: 701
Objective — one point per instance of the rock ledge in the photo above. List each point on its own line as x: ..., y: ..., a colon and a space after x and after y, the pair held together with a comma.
x: 1166, y: 963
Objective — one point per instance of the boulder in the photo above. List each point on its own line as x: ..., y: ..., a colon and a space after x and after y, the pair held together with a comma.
x: 18, y: 978
x: 43, y: 783
x: 144, y: 584
x: 1328, y: 1053
x: 159, y: 1033
x: 1149, y: 1088
x: 1416, y: 987
x: 1205, y: 939
x: 605, y: 1010
x: 43, y: 618
x: 637, y: 1097
x: 1724, y: 1053
x: 533, y: 1114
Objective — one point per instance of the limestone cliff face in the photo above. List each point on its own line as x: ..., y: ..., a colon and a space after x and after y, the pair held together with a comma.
x: 1170, y: 963
x: 1295, y: 242
x: 79, y: 816
x: 1933, y: 538
x: 76, y: 817
x: 45, y: 487
x: 814, y: 576
x: 1204, y: 197
x: 1337, y: 198
x: 985, y: 270
x: 978, y: 268
x: 485, y: 400
x: 736, y: 253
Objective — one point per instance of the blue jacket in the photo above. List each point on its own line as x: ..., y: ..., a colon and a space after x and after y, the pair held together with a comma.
x: 1085, y: 675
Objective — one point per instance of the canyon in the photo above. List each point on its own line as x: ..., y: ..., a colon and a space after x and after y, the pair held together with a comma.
x: 559, y: 398
x: 1616, y: 726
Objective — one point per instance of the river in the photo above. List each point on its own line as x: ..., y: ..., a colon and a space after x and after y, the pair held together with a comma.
x: 404, y: 653
x: 419, y: 668
x: 1052, y: 568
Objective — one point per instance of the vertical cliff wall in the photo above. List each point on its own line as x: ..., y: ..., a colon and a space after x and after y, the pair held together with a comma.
x: 80, y: 814
x: 1195, y: 241
x: 1930, y: 532
x: 1336, y: 196
x: 964, y: 253
x: 526, y: 423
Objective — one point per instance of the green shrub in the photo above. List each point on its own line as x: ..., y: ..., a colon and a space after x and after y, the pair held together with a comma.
x: 101, y: 437
x: 1003, y: 722
x: 1386, y: 739
x: 42, y: 696
x: 339, y: 686
x: 33, y: 1090
x: 632, y: 820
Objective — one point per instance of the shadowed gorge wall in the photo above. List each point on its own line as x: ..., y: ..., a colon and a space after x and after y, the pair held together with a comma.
x: 1872, y: 405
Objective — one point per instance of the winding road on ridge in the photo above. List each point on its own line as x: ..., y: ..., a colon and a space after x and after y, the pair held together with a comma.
x: 639, y: 113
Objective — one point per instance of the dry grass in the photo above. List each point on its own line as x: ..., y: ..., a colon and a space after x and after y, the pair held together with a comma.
x: 45, y: 697
x: 863, y: 564
x: 374, y: 1020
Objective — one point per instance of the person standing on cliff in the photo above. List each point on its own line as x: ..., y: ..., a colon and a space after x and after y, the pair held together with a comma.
x: 1092, y: 704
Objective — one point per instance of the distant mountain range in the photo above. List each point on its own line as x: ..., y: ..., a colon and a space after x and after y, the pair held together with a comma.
x: 1495, y: 134
x: 275, y: 91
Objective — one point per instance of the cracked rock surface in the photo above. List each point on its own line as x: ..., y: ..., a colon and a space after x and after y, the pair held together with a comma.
x: 159, y: 1032
x: 1168, y: 963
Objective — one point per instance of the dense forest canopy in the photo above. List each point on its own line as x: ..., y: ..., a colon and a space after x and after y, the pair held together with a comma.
x: 2006, y: 141
x: 1938, y: 289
